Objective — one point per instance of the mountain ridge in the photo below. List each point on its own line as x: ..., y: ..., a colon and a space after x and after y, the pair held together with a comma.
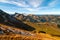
x: 12, y: 21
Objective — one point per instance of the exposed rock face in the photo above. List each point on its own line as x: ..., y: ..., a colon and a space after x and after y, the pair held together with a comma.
x: 12, y: 21
x: 38, y: 18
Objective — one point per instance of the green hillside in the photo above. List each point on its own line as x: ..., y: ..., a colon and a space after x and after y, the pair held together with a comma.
x: 45, y: 27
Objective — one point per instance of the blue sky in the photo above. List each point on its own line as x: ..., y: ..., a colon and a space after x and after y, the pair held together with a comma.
x: 50, y: 7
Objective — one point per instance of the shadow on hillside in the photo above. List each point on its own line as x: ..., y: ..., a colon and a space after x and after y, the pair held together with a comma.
x: 12, y: 21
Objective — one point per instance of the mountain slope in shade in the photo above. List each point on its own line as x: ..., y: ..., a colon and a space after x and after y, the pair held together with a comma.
x: 12, y: 21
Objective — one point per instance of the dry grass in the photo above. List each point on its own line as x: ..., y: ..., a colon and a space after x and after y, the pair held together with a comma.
x: 46, y: 27
x: 36, y: 36
x: 40, y: 36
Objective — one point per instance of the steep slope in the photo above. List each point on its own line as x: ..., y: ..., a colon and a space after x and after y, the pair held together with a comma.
x: 12, y: 21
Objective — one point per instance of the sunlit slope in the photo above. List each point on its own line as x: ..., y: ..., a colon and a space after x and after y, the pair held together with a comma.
x: 46, y: 27
x: 26, y: 36
x: 22, y: 37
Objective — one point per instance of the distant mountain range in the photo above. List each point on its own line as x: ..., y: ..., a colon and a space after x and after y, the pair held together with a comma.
x: 37, y: 18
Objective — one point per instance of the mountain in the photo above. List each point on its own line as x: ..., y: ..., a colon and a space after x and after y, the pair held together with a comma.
x: 43, y: 23
x: 37, y: 18
x: 14, y: 28
x: 12, y: 21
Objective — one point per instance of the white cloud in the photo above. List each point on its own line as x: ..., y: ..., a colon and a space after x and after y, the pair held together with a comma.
x: 32, y: 9
x: 54, y: 3
x: 35, y: 3
x: 22, y: 3
x: 3, y: 0
x: 11, y: 12
x: 29, y: 9
x: 50, y: 13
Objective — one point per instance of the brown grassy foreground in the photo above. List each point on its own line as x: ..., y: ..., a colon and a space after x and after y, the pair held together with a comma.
x: 33, y: 36
x: 41, y: 36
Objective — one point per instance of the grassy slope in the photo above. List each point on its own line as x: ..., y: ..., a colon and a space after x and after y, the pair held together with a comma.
x: 37, y: 36
x: 50, y: 29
